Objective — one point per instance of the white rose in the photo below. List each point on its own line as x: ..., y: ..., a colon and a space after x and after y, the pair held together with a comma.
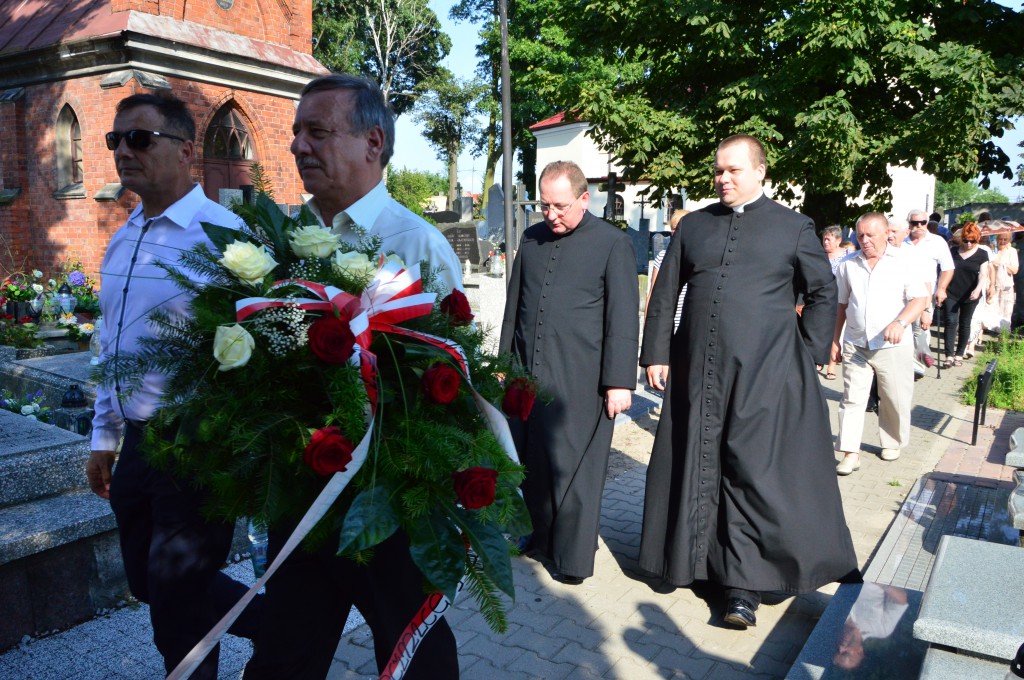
x: 37, y: 288
x: 232, y: 347
x: 393, y: 257
x: 37, y: 274
x: 314, y: 241
x: 353, y: 264
x: 28, y: 409
x: 53, y: 283
x: 250, y: 263
x: 31, y: 417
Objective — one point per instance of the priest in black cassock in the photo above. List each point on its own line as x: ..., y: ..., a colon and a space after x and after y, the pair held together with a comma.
x: 571, y: 319
x: 741, y: 487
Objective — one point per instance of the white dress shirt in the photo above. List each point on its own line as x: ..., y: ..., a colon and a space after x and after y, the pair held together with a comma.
x: 935, y: 250
x: 401, y: 231
x: 875, y: 297
x: 133, y: 286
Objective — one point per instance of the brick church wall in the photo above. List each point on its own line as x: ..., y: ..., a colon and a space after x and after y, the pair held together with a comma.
x: 40, y: 230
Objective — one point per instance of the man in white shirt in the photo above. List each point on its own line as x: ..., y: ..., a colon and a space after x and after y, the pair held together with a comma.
x: 344, y: 137
x: 880, y: 295
x: 341, y: 153
x: 898, y: 236
x: 172, y: 555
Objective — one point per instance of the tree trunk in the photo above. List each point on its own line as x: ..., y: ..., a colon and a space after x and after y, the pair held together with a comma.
x: 453, y: 176
x: 829, y: 208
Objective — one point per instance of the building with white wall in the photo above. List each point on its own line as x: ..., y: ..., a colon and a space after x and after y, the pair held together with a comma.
x: 559, y: 140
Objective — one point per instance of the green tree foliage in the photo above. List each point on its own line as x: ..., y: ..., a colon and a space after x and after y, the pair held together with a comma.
x: 398, y: 43
x: 837, y: 91
x: 538, y: 46
x: 412, y: 187
x: 447, y: 112
x: 960, y: 193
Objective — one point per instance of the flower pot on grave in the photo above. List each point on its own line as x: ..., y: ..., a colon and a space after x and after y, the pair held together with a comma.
x: 19, y: 310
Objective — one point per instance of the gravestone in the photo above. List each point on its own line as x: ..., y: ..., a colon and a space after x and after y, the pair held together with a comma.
x: 464, y: 207
x: 444, y: 217
x: 659, y: 242
x: 463, y: 239
x: 229, y: 197
x: 495, y: 214
x: 641, y: 247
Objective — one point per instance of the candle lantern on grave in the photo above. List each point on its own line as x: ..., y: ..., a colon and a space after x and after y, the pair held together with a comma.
x: 67, y: 301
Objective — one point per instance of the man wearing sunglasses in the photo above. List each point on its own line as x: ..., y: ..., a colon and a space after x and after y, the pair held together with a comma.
x: 571, y: 321
x: 172, y: 555
x: 934, y: 250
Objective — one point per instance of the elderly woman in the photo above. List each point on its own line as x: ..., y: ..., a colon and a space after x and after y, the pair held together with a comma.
x: 1004, y: 266
x: 832, y: 242
x: 970, y: 278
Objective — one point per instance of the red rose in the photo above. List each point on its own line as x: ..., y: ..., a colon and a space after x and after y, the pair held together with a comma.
x: 456, y: 307
x: 329, y: 451
x: 441, y: 383
x: 519, y: 396
x: 331, y: 339
x: 475, y: 487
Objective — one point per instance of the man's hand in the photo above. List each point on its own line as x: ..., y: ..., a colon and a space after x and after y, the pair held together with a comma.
x: 926, y: 320
x: 617, y: 400
x: 940, y: 296
x: 893, y: 333
x: 837, y: 353
x: 98, y: 470
x: 657, y: 375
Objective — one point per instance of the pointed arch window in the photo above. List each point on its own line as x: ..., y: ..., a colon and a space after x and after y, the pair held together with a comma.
x: 70, y: 165
x: 227, y: 138
x: 228, y: 152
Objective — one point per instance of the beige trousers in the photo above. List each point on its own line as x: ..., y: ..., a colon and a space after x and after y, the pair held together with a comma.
x: 894, y: 367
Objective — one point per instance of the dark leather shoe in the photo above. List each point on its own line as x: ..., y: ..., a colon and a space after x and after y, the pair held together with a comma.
x: 566, y: 579
x: 739, y: 613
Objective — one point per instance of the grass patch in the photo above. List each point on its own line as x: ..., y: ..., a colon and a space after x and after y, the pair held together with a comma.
x: 1008, y: 382
x: 895, y: 482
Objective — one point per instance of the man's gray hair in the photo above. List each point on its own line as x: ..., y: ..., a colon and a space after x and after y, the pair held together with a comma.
x: 871, y: 217
x: 369, y: 108
x: 899, y: 223
x: 923, y: 214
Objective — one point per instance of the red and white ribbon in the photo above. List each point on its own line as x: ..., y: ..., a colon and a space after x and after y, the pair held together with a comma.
x: 394, y: 295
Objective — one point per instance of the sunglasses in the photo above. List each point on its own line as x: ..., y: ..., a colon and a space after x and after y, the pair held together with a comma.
x: 136, y: 140
x: 918, y: 223
x: 970, y: 241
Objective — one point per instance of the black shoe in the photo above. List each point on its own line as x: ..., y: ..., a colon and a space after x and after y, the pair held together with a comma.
x: 566, y: 579
x: 739, y: 613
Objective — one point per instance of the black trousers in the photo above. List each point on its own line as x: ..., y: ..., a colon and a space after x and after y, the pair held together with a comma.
x: 309, y: 599
x: 957, y: 315
x: 172, y: 558
x: 1017, y: 321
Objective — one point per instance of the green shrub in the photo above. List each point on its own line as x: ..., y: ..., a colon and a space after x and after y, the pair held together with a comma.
x: 1008, y: 381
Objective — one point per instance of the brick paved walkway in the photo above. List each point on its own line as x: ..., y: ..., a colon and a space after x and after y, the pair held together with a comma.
x: 618, y: 624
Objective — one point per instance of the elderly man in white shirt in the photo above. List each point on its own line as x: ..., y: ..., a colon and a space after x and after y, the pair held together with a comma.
x: 880, y: 294
x: 935, y: 250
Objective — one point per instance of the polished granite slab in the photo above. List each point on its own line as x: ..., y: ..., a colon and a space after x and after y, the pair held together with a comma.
x: 940, y: 664
x: 866, y: 632
x: 974, y: 601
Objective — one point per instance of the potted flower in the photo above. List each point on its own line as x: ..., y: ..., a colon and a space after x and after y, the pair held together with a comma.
x: 19, y: 290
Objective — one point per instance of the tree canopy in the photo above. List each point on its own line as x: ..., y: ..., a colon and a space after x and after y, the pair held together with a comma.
x: 398, y: 43
x: 960, y: 192
x: 447, y: 112
x: 836, y: 91
x: 412, y: 188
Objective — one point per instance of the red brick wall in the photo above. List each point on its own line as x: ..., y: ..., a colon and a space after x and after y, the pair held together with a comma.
x: 37, y: 230
x: 286, y: 22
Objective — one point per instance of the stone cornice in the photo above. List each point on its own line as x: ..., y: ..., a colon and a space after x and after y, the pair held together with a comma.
x: 169, y: 58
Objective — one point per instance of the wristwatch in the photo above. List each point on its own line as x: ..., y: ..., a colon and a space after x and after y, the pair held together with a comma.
x: 902, y: 323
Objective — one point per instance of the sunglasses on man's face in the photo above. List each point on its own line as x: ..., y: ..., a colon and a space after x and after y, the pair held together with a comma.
x: 136, y: 140
x: 918, y: 223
